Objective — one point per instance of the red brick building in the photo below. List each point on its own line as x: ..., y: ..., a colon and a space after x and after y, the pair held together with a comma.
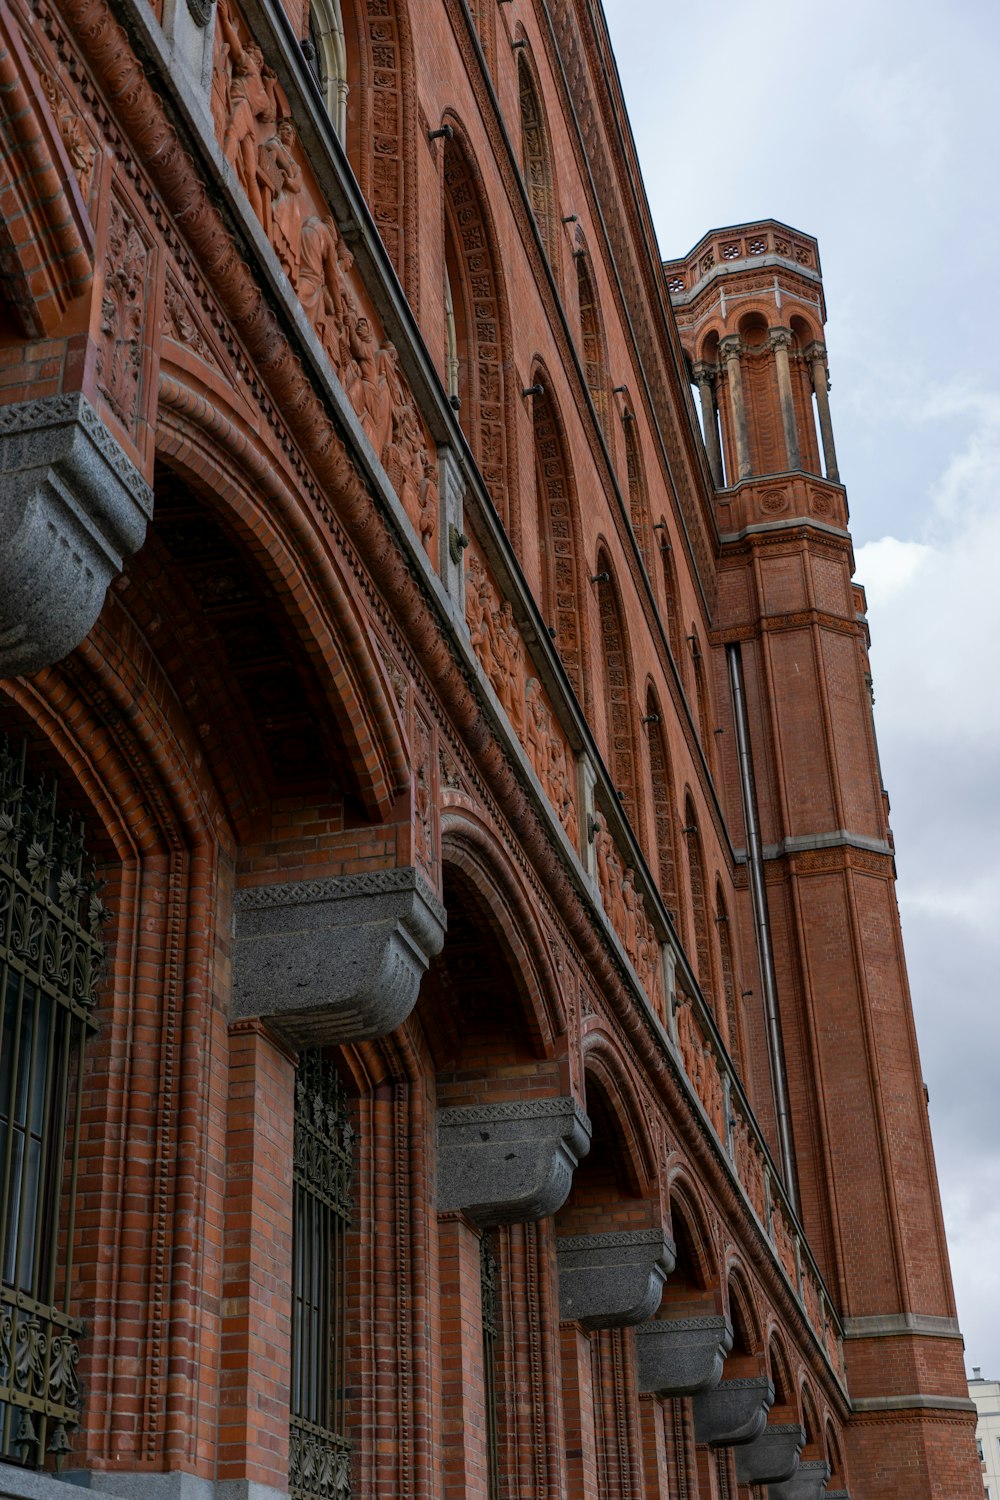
x: 455, y: 1036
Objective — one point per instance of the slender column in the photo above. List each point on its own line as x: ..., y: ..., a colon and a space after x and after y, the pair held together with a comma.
x: 780, y: 342
x: 704, y: 374
x: 730, y: 351
x: 816, y: 355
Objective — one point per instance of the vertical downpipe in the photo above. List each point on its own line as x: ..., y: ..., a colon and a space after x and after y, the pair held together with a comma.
x: 758, y: 898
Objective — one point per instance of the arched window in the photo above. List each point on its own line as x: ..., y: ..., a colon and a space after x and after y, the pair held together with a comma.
x: 595, y: 360
x: 637, y: 496
x: 671, y: 603
x: 664, y: 818
x: 478, y: 324
x: 536, y: 159
x: 699, y: 904
x: 617, y: 685
x: 733, y: 1003
x: 51, y: 958
x: 327, y: 54
x: 705, y: 730
x: 557, y: 531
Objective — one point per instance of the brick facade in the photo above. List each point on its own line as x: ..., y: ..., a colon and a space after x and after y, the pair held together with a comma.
x: 438, y: 689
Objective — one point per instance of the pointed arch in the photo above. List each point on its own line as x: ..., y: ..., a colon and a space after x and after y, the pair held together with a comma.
x: 781, y: 1374
x: 481, y: 322
x: 732, y: 1004
x: 483, y: 13
x: 536, y: 157
x: 619, y: 701
x: 745, y: 1318
x: 559, y: 536
x: 664, y: 816
x: 608, y: 1072
x: 691, y: 1226
x: 699, y: 904
x: 638, y: 495
x: 702, y: 699
x: 594, y: 348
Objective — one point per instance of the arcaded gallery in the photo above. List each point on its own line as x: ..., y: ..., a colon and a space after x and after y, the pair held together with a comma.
x: 454, y: 1032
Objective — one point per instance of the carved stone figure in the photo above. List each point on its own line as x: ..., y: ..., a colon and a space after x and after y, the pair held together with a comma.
x: 251, y: 115
x: 286, y: 206
x: 323, y: 288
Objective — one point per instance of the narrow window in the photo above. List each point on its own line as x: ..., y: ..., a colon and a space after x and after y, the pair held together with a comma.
x: 595, y: 363
x: 326, y: 52
x: 51, y: 959
x: 536, y: 159
x: 319, y: 1462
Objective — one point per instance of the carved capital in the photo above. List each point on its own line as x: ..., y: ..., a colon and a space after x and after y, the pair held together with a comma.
x: 780, y: 338
x: 611, y: 1280
x: 681, y: 1356
x: 509, y: 1163
x: 734, y: 1413
x: 72, y: 507
x: 730, y: 348
x: 704, y: 373
x: 807, y: 1483
x: 774, y: 1457
x: 334, y: 960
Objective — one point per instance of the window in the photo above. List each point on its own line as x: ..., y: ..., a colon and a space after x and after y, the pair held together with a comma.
x: 51, y: 959
x: 319, y: 1461
x: 326, y: 52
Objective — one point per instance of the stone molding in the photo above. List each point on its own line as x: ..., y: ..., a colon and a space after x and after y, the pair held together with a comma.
x: 337, y: 959
x: 73, y: 506
x: 613, y: 1280
x: 807, y: 1483
x: 735, y: 1412
x: 509, y: 1163
x: 682, y: 1356
x: 915, y: 1401
x: 902, y: 1325
x: 27, y: 1484
x: 774, y: 1457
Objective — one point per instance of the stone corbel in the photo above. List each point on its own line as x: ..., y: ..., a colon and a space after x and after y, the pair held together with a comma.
x: 337, y: 959
x: 734, y: 1413
x: 774, y: 1457
x: 73, y: 506
x: 509, y: 1163
x: 682, y: 1356
x: 807, y: 1483
x: 612, y: 1280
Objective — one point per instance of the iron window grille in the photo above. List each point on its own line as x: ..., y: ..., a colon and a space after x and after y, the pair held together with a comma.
x: 319, y: 1466
x: 51, y: 962
x: 489, y: 1283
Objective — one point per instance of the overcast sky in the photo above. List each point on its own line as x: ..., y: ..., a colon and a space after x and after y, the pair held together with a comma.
x: 873, y: 124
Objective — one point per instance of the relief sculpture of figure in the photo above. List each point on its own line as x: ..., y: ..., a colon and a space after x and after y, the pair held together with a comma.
x: 510, y: 691
x: 252, y: 110
x: 365, y: 384
x: 286, y: 207
x: 322, y: 285
x: 478, y: 613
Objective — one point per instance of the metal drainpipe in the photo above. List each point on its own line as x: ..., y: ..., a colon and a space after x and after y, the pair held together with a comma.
x: 758, y: 897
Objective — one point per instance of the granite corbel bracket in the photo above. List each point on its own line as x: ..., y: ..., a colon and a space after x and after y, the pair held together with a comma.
x: 509, y: 1163
x: 807, y: 1483
x: 734, y: 1413
x: 774, y: 1457
x: 612, y: 1280
x: 338, y: 959
x: 682, y: 1356
x: 73, y: 506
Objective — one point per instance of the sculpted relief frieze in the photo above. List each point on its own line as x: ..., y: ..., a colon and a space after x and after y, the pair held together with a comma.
x: 259, y: 141
x: 625, y: 906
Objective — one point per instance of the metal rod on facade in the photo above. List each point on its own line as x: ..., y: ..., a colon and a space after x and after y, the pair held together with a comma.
x: 758, y: 897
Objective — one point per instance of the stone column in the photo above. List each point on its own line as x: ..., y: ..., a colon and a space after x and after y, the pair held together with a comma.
x: 816, y: 355
x: 780, y: 341
x: 704, y: 374
x: 729, y: 349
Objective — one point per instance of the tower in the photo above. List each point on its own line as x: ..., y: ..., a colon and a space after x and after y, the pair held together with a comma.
x: 849, y: 1103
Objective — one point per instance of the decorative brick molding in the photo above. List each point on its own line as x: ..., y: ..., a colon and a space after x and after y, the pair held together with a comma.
x: 509, y: 1163
x: 682, y: 1356
x: 72, y: 508
x: 334, y: 960
x: 734, y: 1413
x: 774, y: 1457
x: 611, y: 1280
